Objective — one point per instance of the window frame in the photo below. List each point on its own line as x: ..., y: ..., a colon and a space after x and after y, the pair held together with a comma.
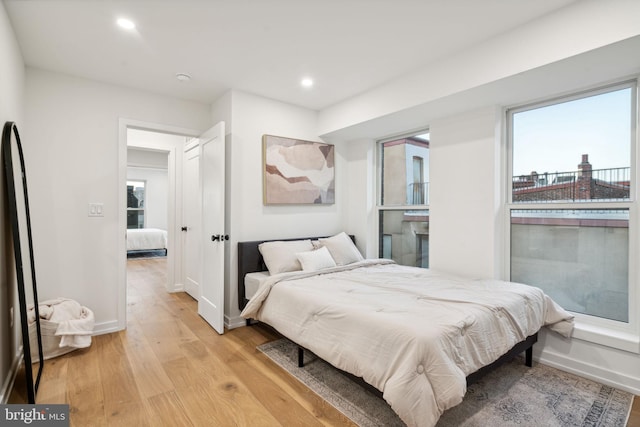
x: 379, y: 206
x: 611, y: 333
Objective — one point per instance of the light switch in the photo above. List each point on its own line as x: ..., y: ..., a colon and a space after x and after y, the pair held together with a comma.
x: 96, y: 209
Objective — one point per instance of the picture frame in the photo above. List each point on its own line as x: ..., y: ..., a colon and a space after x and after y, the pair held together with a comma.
x: 297, y: 172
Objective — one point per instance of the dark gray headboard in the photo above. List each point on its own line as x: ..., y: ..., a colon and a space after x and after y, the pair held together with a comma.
x: 250, y: 260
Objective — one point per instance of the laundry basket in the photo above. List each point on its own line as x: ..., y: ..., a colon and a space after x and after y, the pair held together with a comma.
x: 50, y: 342
x: 65, y: 326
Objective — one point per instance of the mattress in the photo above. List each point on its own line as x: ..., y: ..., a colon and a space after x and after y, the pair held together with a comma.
x: 412, y: 333
x: 146, y: 239
x: 253, y: 281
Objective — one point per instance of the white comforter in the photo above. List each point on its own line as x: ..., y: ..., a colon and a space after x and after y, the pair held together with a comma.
x: 412, y: 333
x: 140, y: 239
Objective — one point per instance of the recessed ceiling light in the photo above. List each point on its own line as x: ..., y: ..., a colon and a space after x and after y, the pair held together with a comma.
x: 183, y: 77
x: 307, y: 82
x: 125, y: 23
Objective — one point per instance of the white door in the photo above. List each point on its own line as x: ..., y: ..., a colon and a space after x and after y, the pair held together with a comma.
x: 192, y: 220
x: 212, y: 173
x: 205, y: 178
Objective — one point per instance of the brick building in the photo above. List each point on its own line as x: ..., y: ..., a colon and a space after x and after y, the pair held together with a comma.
x: 584, y: 184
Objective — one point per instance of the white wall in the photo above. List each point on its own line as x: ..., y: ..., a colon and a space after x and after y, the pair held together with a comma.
x: 145, y: 158
x: 156, y: 194
x: 12, y: 81
x: 358, y: 213
x: 465, y: 194
x: 247, y: 217
x: 72, y: 141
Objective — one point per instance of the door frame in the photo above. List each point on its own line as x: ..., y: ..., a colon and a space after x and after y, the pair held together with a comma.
x: 174, y: 212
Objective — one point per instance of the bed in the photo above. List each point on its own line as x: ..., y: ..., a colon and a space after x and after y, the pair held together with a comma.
x: 414, y: 334
x: 146, y: 239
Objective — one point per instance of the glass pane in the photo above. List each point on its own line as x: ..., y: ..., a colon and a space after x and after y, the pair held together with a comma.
x: 404, y: 237
x: 135, y: 218
x: 405, y: 171
x: 576, y: 151
x: 578, y: 257
x: 135, y: 194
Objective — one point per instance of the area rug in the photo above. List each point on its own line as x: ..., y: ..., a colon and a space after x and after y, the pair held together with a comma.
x: 512, y: 395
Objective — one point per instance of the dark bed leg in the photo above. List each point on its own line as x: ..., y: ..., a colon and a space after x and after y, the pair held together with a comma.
x: 300, y: 357
x: 528, y: 357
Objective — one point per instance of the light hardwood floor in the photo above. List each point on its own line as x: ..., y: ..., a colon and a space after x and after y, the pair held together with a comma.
x: 169, y: 368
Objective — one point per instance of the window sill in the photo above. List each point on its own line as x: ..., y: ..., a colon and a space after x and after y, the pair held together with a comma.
x: 606, y: 336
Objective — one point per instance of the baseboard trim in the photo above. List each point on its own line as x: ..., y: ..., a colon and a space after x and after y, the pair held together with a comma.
x: 234, y: 322
x: 608, y: 377
x: 106, y: 327
x: 178, y: 287
x: 10, y: 380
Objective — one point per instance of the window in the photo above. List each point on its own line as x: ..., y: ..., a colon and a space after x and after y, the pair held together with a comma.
x: 579, y: 257
x: 417, y: 191
x: 135, y: 204
x: 403, y: 210
x: 572, y: 193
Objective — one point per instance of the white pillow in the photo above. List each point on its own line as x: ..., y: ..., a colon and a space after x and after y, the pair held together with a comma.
x: 280, y: 256
x: 316, y: 260
x: 342, y: 249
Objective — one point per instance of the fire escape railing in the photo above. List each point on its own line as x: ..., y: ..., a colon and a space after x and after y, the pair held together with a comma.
x: 612, y: 183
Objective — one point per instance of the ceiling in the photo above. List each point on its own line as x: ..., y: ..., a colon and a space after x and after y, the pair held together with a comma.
x: 264, y: 47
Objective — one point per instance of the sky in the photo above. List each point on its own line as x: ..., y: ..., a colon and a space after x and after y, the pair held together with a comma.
x: 554, y: 138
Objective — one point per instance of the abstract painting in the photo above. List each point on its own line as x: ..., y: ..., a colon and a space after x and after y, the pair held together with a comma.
x: 297, y: 171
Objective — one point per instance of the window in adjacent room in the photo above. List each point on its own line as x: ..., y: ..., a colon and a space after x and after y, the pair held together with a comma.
x: 135, y: 204
x: 572, y: 191
x: 417, y: 191
x: 403, y: 208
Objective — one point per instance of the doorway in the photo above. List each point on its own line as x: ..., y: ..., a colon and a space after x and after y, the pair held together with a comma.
x: 147, y: 200
x: 168, y: 140
x: 211, y: 190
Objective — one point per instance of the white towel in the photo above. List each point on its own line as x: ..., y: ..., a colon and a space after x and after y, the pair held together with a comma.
x: 75, y: 322
x: 45, y: 309
x: 77, y: 332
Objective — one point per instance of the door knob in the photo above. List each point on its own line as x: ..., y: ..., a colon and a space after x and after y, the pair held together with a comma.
x: 184, y: 228
x: 219, y: 237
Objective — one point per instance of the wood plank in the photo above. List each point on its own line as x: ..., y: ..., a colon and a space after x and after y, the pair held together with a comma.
x: 148, y: 372
x: 126, y: 414
x: 84, y: 384
x: 166, y: 409
x: 277, y: 390
x: 53, y: 382
x: 234, y: 402
x: 115, y: 370
x: 181, y: 373
x: 202, y: 411
x: 634, y: 416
